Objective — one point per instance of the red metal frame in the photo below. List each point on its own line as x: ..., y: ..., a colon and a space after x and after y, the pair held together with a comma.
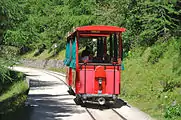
x: 101, y: 28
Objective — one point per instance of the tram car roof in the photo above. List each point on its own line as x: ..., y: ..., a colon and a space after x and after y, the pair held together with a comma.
x: 96, y: 31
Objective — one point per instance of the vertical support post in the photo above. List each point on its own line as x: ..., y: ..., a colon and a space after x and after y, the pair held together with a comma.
x: 120, y: 48
x: 70, y: 41
x: 70, y: 57
x: 77, y: 51
x: 101, y: 48
x: 114, y: 86
x: 105, y: 46
x: 77, y: 63
x: 120, y: 56
x: 111, y: 50
x: 115, y: 48
x: 85, y: 79
x: 70, y: 76
x: 98, y: 51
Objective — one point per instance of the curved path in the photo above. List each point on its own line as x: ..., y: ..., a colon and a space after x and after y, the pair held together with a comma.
x: 48, y: 100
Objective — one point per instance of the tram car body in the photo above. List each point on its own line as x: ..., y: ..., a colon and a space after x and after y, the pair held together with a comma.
x: 97, y: 79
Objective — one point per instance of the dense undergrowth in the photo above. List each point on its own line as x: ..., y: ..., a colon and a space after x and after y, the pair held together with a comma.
x: 8, y: 81
x: 151, y: 79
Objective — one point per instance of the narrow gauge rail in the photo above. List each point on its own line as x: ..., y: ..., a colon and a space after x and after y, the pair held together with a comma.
x: 119, y: 114
x: 110, y: 114
x: 90, y: 114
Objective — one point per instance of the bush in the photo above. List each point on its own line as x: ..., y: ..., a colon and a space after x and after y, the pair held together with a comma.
x: 173, y: 112
x: 170, y: 85
x: 13, y: 99
x: 157, y: 52
x: 10, y: 77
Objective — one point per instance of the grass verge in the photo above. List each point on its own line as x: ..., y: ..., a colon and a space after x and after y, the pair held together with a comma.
x: 61, y: 70
x: 13, y: 98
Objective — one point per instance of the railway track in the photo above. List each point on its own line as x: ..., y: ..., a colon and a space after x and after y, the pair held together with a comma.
x: 96, y: 113
x: 64, y: 106
x: 109, y: 114
x: 119, y: 114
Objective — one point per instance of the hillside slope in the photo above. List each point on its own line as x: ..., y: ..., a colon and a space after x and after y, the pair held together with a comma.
x: 151, y: 80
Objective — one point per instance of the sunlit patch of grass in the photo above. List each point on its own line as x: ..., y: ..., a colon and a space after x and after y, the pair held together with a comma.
x: 61, y: 70
x: 15, y: 89
x: 28, y: 55
x: 45, y: 55
x: 13, y: 98
x: 60, y: 56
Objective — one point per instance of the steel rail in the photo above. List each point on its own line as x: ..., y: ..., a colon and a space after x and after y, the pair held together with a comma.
x: 119, y: 114
x: 90, y: 114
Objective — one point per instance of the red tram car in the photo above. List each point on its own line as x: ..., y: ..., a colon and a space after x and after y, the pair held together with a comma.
x: 94, y: 73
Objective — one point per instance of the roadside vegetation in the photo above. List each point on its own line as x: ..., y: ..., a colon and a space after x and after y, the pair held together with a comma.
x: 61, y: 70
x: 13, y: 98
x: 151, y: 79
x: 13, y: 88
x: 13, y: 93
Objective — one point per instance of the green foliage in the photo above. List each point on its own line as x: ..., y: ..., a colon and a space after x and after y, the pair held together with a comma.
x: 14, y: 89
x: 160, y: 81
x: 157, y: 20
x: 173, y: 112
x: 146, y: 21
x: 32, y: 23
x: 7, y: 59
x: 8, y: 78
x: 14, y: 97
x: 157, y: 52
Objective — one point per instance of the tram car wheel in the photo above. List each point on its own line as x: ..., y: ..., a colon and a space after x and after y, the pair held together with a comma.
x: 78, y: 100
x: 71, y: 92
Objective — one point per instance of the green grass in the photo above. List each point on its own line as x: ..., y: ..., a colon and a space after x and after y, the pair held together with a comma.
x: 61, y: 70
x: 44, y: 55
x: 17, y: 88
x: 153, y: 87
x: 13, y: 98
x: 60, y: 56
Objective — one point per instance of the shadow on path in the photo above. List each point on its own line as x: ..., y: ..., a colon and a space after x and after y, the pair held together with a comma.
x: 45, y: 106
x: 119, y: 103
x: 38, y: 83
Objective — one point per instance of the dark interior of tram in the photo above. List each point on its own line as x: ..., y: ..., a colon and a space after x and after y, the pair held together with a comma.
x: 102, y: 49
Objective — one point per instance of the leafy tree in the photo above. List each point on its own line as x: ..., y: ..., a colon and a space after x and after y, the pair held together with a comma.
x: 32, y: 23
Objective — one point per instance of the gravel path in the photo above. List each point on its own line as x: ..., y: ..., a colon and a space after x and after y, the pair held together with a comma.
x: 48, y: 100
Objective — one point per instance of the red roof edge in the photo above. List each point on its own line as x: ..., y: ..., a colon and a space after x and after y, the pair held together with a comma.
x: 101, y: 28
